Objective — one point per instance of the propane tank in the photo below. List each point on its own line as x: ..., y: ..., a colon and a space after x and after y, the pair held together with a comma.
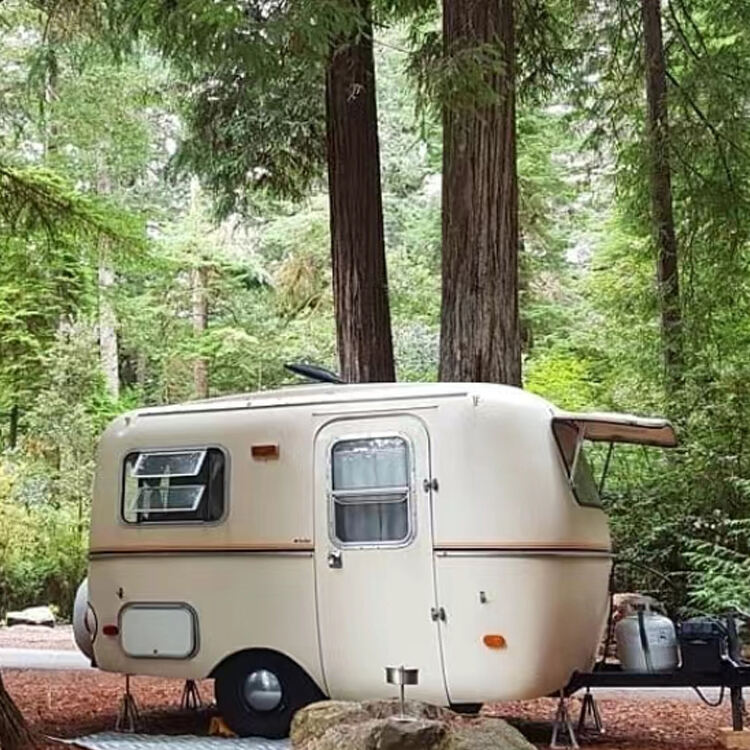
x: 647, y: 642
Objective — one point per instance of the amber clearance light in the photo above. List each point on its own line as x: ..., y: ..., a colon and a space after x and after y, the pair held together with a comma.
x: 493, y: 640
x: 269, y: 451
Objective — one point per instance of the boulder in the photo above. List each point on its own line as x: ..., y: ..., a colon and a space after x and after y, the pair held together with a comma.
x: 377, y: 725
x: 31, y: 616
x: 485, y: 733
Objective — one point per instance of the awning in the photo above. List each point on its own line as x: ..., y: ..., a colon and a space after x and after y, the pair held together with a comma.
x: 620, y: 428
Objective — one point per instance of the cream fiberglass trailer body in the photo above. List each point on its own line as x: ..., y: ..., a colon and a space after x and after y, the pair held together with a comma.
x: 294, y: 543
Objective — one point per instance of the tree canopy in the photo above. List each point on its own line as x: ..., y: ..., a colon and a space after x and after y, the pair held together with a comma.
x: 164, y: 200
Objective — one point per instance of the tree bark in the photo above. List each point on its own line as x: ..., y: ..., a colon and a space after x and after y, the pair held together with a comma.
x: 480, y: 336
x: 200, y: 324
x: 660, y: 178
x: 109, y: 356
x: 360, y: 284
x: 108, y: 347
x: 14, y: 731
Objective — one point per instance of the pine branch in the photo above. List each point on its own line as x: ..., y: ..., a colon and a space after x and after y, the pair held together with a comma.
x: 35, y: 197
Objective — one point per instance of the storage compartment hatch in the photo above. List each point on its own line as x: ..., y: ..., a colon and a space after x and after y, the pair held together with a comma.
x: 158, y: 631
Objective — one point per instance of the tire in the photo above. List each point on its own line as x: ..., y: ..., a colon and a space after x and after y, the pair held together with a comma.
x: 242, y: 684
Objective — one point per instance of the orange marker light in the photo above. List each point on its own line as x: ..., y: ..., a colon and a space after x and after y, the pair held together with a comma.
x: 266, y: 452
x: 494, y: 641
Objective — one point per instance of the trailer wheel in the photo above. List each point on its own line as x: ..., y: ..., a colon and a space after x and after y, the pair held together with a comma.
x: 258, y: 693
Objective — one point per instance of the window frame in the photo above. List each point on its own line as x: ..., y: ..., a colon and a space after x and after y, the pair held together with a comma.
x: 203, y: 453
x: 410, y: 500
x: 578, y: 454
x: 174, y: 449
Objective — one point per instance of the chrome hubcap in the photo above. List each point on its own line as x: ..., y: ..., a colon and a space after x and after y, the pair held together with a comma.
x: 262, y: 690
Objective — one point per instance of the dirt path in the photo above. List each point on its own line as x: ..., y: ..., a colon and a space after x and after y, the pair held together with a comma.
x: 59, y: 638
x: 69, y: 704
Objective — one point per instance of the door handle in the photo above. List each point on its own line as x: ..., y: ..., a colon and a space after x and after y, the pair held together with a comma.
x: 334, y: 559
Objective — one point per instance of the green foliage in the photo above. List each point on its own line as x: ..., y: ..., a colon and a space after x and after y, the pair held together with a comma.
x: 43, y: 550
x: 232, y: 93
x: 45, y: 483
x: 720, y: 577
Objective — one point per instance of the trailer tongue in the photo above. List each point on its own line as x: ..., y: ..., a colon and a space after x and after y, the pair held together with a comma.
x: 710, y: 658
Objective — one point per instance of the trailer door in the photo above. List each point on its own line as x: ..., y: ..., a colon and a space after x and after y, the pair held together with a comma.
x: 374, y: 557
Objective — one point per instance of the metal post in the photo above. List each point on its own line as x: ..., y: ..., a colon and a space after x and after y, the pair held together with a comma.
x: 127, y: 714
x: 590, y: 710
x: 563, y: 726
x: 735, y: 694
x: 401, y: 676
x: 191, y: 697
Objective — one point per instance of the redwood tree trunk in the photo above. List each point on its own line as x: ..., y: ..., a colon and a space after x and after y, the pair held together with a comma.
x: 14, y: 731
x: 108, y: 347
x: 360, y: 285
x: 109, y: 355
x: 480, y: 337
x: 660, y: 176
x: 200, y: 324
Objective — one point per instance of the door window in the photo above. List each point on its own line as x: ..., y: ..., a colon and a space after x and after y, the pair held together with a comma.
x: 370, y: 491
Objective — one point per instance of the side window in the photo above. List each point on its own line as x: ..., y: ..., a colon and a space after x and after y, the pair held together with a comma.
x: 582, y: 482
x: 370, y: 491
x: 170, y: 486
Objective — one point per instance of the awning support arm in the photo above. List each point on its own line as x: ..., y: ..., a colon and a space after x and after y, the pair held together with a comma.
x: 605, y: 470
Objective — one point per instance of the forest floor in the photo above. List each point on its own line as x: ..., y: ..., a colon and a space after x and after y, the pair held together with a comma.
x: 71, y: 704
x: 33, y: 636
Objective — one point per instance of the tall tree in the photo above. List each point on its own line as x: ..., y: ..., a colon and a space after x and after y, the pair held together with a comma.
x: 360, y: 284
x: 109, y: 355
x: 660, y: 179
x: 259, y: 120
x: 480, y: 337
x: 199, y: 283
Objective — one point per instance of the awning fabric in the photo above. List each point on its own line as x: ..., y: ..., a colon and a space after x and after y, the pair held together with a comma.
x: 620, y: 428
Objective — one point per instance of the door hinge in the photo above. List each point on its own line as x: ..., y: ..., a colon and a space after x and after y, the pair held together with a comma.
x: 437, y: 613
x: 430, y: 484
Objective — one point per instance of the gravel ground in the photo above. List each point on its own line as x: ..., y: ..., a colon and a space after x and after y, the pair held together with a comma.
x: 70, y: 704
x: 59, y: 638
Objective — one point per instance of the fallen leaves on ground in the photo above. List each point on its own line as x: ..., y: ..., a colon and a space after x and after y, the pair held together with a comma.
x: 71, y: 704
x: 38, y: 637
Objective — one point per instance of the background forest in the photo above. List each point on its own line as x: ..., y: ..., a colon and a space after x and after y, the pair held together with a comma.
x: 164, y: 235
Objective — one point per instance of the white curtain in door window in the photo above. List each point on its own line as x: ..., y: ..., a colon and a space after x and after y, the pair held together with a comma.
x: 370, y: 487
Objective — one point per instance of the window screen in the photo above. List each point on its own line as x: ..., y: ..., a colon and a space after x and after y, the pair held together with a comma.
x: 370, y: 491
x: 169, y: 486
x: 583, y: 482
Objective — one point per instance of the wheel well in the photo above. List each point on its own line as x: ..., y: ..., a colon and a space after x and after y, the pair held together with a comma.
x: 266, y: 652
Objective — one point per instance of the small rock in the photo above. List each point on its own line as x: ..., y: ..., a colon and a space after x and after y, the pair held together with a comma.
x: 31, y: 616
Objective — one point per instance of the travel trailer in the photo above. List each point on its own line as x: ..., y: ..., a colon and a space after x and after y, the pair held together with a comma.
x: 292, y: 544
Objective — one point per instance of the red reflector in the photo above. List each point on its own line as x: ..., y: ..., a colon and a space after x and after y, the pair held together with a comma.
x: 110, y: 630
